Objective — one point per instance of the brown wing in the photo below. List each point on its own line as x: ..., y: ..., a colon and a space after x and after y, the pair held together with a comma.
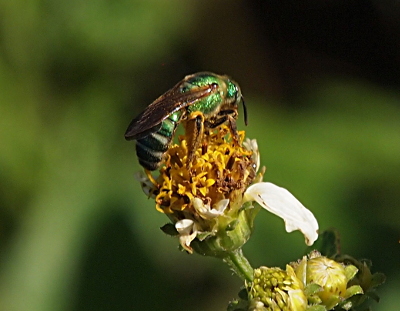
x: 151, y: 118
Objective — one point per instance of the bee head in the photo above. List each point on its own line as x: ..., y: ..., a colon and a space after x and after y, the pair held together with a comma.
x: 235, y: 93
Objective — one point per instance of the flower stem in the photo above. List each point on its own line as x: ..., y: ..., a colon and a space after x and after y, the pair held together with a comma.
x: 239, y: 264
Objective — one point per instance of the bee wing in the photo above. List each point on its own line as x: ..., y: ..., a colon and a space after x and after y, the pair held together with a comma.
x: 151, y: 118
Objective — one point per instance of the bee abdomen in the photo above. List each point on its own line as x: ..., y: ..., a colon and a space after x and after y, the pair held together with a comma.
x: 155, y: 141
x: 149, y: 157
x: 150, y: 150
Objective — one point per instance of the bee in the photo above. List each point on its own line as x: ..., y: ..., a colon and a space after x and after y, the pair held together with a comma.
x: 201, y: 101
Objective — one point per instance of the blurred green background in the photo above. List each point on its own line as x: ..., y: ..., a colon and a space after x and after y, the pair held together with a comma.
x: 321, y: 82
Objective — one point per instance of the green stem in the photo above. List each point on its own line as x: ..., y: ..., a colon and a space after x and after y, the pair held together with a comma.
x: 239, y: 264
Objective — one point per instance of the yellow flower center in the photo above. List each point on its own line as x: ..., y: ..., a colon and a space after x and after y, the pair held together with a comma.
x: 220, y: 169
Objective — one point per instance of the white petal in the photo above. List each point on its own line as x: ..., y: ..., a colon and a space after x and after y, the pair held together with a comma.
x: 221, y: 206
x: 282, y: 203
x: 184, y: 226
x: 251, y: 144
x: 205, y: 210
x: 187, y: 233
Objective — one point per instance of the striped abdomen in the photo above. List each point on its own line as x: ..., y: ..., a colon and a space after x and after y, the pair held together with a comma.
x: 151, y: 148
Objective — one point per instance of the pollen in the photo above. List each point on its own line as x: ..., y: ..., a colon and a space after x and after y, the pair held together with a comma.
x: 219, y: 167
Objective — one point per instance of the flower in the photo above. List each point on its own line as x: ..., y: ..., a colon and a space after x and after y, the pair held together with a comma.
x: 274, y: 289
x: 209, y: 197
x: 327, y: 281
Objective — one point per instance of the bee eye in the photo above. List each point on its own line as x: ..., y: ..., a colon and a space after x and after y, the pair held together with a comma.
x: 238, y: 96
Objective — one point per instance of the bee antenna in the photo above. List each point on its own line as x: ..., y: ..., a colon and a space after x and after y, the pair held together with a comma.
x: 244, y: 111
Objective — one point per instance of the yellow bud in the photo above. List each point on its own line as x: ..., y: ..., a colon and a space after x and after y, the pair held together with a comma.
x: 330, y: 275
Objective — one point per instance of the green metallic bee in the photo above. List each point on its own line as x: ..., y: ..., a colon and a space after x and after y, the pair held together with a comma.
x: 202, y: 101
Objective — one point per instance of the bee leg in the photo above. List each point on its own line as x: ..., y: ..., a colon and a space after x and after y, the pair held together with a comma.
x: 233, y: 128
x: 225, y: 116
x: 231, y: 120
x: 194, y: 133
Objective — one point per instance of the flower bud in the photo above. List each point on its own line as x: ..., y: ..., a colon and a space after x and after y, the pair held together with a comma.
x: 330, y: 277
